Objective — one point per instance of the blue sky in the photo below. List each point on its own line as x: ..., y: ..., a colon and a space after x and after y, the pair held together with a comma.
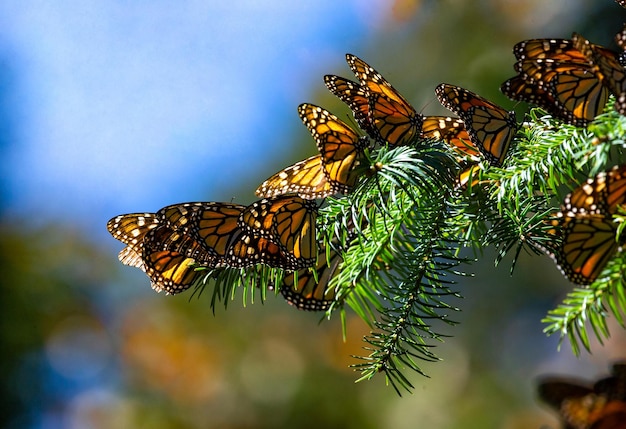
x: 120, y: 106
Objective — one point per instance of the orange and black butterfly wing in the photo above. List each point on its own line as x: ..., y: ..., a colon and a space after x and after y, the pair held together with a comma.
x: 305, y: 178
x: 576, y: 409
x: 288, y: 221
x: 341, y: 148
x: 395, y: 120
x: 522, y: 88
x: 296, y: 231
x: 181, y: 216
x: 170, y: 260
x: 615, y: 182
x: 607, y: 67
x: 490, y: 127
x: 584, y: 230
x: 131, y: 229
x: 600, y: 194
x: 556, y: 76
x: 396, y: 123
x: 215, y: 226
x: 574, y: 400
x: 575, y: 96
x: 578, y: 92
x: 247, y: 250
x: 587, y: 242
x: 310, y: 291
x: 558, y: 50
x: 469, y: 176
x: 450, y: 130
x: 542, y: 70
x: 355, y: 96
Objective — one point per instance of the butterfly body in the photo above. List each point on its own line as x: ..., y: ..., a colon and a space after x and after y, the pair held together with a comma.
x: 391, y: 116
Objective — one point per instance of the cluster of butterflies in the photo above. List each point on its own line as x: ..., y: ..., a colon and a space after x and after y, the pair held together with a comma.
x: 172, y: 243
x: 569, y: 78
x: 584, y: 231
x: 584, y: 406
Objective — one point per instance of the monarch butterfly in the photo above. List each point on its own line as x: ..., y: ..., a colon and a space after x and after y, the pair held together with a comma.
x: 390, y: 114
x: 554, y: 390
x: 607, y: 67
x: 213, y: 224
x: 341, y: 148
x: 311, y: 291
x: 168, y: 244
x: 490, y: 127
x: 575, y: 96
x: 556, y: 76
x: 452, y: 131
x: 584, y: 228
x: 587, y: 244
x: 131, y: 229
x: 333, y: 171
x: 217, y: 227
x: 576, y: 402
x: 166, y: 254
x: 170, y: 260
x: 356, y: 97
x: 581, y: 405
x: 289, y: 221
x: 444, y: 128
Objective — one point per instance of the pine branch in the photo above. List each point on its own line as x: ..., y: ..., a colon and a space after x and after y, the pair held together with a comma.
x: 400, y: 270
x: 550, y: 160
x: 225, y: 282
x: 401, y: 231
x: 589, y: 307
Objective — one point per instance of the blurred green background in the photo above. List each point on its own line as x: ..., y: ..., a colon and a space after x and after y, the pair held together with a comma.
x: 112, y: 107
